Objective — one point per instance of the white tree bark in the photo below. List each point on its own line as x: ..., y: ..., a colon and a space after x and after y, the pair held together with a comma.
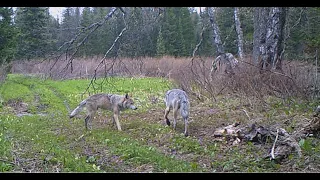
x: 223, y: 57
x: 274, y: 37
x: 239, y: 32
x: 216, y: 31
x: 260, y: 31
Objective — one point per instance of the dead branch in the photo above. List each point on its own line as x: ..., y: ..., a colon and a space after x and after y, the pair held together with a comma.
x: 278, y: 73
x: 69, y: 45
x: 246, y: 113
x: 273, y: 146
x: 104, y: 57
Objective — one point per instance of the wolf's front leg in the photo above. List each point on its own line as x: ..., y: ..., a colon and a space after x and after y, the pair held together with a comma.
x: 116, y: 119
x: 113, y: 121
x: 185, y: 127
x: 167, y: 110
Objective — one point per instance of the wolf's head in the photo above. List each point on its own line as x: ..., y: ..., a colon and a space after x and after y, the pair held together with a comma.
x: 128, y: 103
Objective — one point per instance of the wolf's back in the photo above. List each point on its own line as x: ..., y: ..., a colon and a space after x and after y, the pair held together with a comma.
x: 78, y: 108
x: 174, y: 95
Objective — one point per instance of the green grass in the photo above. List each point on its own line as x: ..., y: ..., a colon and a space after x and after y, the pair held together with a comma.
x: 46, y: 140
x: 52, y: 141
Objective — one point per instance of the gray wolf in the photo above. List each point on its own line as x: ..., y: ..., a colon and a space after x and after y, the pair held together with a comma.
x: 226, y: 58
x: 177, y: 99
x: 111, y: 102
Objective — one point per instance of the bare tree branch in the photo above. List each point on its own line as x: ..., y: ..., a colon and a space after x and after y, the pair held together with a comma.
x: 69, y: 45
x: 93, y: 79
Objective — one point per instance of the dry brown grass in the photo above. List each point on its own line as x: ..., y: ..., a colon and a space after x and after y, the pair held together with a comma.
x: 297, y: 79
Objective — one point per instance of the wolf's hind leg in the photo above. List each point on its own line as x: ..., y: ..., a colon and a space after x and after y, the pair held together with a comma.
x: 185, y: 127
x: 87, y: 122
x: 175, y: 115
x: 167, y: 110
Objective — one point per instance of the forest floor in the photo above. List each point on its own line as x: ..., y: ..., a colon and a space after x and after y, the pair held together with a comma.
x: 36, y: 140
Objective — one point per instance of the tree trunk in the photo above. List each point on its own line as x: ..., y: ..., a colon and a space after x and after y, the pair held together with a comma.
x: 260, y: 30
x: 216, y: 31
x: 281, y: 36
x: 239, y: 32
x: 269, y: 36
x: 223, y: 57
x: 256, y: 44
x: 275, y: 36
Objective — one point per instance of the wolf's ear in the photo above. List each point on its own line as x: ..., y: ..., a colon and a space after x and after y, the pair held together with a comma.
x: 126, y: 96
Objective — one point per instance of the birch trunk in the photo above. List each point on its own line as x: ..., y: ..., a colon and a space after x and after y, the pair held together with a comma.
x: 275, y: 36
x: 223, y: 57
x: 239, y: 32
x: 260, y: 30
x: 281, y: 37
x: 256, y: 42
x: 216, y: 31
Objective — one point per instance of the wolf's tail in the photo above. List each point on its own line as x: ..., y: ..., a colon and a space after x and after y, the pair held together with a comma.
x: 78, y: 109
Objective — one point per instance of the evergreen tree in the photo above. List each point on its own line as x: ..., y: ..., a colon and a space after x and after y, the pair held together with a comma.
x: 53, y: 32
x: 33, y: 38
x: 170, y: 32
x: 101, y: 40
x: 207, y: 48
x: 134, y: 35
x: 86, y: 20
x: 302, y: 29
x: 187, y: 31
x: 161, y: 49
x: 8, y: 35
x: 67, y: 30
x: 150, y: 29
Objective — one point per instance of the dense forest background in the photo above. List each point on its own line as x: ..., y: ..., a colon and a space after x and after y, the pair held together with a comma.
x: 251, y: 74
x: 31, y: 32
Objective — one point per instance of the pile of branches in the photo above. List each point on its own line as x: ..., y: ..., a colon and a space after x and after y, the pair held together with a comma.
x: 283, y: 143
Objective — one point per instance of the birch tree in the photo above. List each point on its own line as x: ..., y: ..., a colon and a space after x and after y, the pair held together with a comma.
x: 223, y: 57
x: 269, y: 37
x: 216, y: 32
x: 239, y: 32
x: 259, y: 34
x: 275, y: 48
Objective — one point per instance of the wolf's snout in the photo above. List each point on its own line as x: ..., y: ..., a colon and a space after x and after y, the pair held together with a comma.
x: 134, y: 108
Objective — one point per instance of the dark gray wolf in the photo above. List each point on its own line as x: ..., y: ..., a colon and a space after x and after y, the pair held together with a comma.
x: 112, y: 102
x: 177, y: 99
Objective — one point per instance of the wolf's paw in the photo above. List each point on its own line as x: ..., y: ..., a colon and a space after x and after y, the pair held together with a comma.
x: 168, y: 122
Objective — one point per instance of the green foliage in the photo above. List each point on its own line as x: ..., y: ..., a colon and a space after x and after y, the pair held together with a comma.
x: 161, y: 49
x: 34, y: 38
x: 306, y: 145
x: 35, y: 33
x: 177, y: 31
x: 302, y: 32
x: 8, y: 35
x: 52, y: 141
x: 37, y: 135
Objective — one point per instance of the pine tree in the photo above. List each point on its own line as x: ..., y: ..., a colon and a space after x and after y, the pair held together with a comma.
x: 8, y: 35
x: 161, y: 49
x: 34, y: 38
x: 187, y: 31
x: 170, y: 32
x: 86, y: 20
